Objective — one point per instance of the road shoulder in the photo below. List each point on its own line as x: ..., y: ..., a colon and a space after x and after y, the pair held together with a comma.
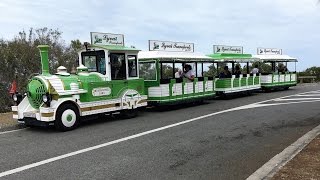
x: 306, y: 165
x: 278, y: 162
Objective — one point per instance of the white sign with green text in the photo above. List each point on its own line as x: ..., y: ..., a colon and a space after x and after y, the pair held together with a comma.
x: 269, y: 51
x: 227, y: 49
x: 107, y: 39
x: 170, y: 46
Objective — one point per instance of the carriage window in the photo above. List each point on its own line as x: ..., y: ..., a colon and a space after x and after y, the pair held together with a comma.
x: 178, y: 69
x: 91, y: 63
x: 102, y: 66
x: 199, y: 69
x: 209, y: 70
x: 118, y: 66
x: 132, y: 66
x: 147, y: 70
x: 166, y: 70
x: 94, y: 61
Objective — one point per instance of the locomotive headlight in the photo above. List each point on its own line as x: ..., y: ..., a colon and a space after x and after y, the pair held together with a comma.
x: 15, y: 97
x: 46, y: 98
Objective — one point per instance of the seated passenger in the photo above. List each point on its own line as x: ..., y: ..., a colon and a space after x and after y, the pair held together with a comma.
x: 285, y: 69
x: 225, y: 73
x: 255, y: 70
x: 178, y: 74
x: 237, y: 72
x: 188, y: 73
x: 280, y: 69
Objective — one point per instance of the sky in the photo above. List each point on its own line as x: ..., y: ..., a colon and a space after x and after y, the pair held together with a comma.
x: 292, y: 25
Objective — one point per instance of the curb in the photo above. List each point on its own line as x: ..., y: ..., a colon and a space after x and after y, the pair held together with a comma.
x: 269, y: 169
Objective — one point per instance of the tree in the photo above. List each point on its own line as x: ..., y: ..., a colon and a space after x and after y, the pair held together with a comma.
x: 167, y: 71
x: 147, y: 70
x: 312, y: 71
x: 211, y: 72
x: 20, y: 57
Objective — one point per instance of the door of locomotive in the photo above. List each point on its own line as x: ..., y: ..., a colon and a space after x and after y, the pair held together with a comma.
x: 97, y: 79
x: 118, y: 71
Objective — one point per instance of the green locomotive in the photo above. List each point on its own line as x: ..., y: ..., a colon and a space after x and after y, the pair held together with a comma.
x: 107, y: 80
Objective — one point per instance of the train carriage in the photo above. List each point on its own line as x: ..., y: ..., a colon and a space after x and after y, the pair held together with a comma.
x: 159, y: 66
x: 279, y: 77
x: 107, y: 80
x: 246, y: 82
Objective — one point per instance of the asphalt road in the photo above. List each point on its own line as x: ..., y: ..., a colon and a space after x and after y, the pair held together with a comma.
x: 228, y: 144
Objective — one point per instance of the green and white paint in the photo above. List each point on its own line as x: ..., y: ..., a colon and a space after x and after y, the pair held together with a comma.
x: 276, y: 80
x: 233, y: 85
x: 173, y: 90
x: 89, y: 91
x: 234, y: 54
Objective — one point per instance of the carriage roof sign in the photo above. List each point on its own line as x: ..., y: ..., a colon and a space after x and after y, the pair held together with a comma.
x: 269, y: 51
x: 107, y: 39
x: 155, y: 45
x: 222, y: 49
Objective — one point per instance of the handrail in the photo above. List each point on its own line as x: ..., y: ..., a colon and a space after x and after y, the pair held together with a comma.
x: 301, y: 78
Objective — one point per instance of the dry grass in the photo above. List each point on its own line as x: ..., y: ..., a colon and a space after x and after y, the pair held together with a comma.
x: 306, y: 165
x: 6, y: 120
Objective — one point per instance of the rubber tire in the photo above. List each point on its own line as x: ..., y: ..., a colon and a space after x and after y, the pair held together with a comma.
x: 286, y: 88
x: 129, y: 113
x: 58, y: 122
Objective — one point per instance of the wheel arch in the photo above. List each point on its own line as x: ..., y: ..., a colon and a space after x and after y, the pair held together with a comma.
x: 70, y: 102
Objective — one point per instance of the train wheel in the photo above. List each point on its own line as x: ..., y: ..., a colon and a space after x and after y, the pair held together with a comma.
x: 67, y: 118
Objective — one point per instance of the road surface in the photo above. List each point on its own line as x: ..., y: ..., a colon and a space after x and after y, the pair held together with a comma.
x: 221, y: 139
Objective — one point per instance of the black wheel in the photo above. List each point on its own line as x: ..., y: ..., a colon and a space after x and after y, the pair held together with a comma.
x: 286, y: 88
x: 129, y: 113
x: 67, y: 117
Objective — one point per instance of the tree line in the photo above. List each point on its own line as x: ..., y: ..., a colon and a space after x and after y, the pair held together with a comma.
x: 20, y: 58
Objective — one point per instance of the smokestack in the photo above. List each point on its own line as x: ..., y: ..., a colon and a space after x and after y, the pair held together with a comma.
x: 44, y: 59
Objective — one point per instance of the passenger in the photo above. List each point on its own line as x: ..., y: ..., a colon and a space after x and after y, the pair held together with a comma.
x: 237, y: 72
x: 285, y: 69
x: 255, y: 70
x: 280, y: 69
x: 132, y: 69
x: 178, y: 74
x: 188, y: 73
x: 225, y: 73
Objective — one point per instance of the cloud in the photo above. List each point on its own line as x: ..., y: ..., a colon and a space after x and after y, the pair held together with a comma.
x: 292, y: 25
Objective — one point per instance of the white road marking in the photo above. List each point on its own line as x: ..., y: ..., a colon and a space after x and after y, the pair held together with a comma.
x: 296, y: 99
x: 6, y: 132
x: 46, y: 161
x: 275, y: 104
x: 306, y: 95
x: 269, y: 169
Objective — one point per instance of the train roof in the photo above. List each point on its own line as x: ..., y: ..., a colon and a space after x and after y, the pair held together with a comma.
x: 276, y: 58
x: 177, y: 56
x: 112, y: 48
x: 225, y: 57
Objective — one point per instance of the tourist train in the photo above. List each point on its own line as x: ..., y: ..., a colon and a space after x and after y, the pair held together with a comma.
x: 112, y: 78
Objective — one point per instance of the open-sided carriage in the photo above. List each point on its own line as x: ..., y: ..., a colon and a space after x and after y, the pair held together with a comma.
x: 279, y: 77
x: 160, y: 65
x: 244, y: 82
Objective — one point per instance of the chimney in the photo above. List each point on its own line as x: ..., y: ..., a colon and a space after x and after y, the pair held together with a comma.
x: 44, y: 59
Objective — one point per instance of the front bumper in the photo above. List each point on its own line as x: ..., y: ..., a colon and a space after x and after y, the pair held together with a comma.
x: 34, y: 122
